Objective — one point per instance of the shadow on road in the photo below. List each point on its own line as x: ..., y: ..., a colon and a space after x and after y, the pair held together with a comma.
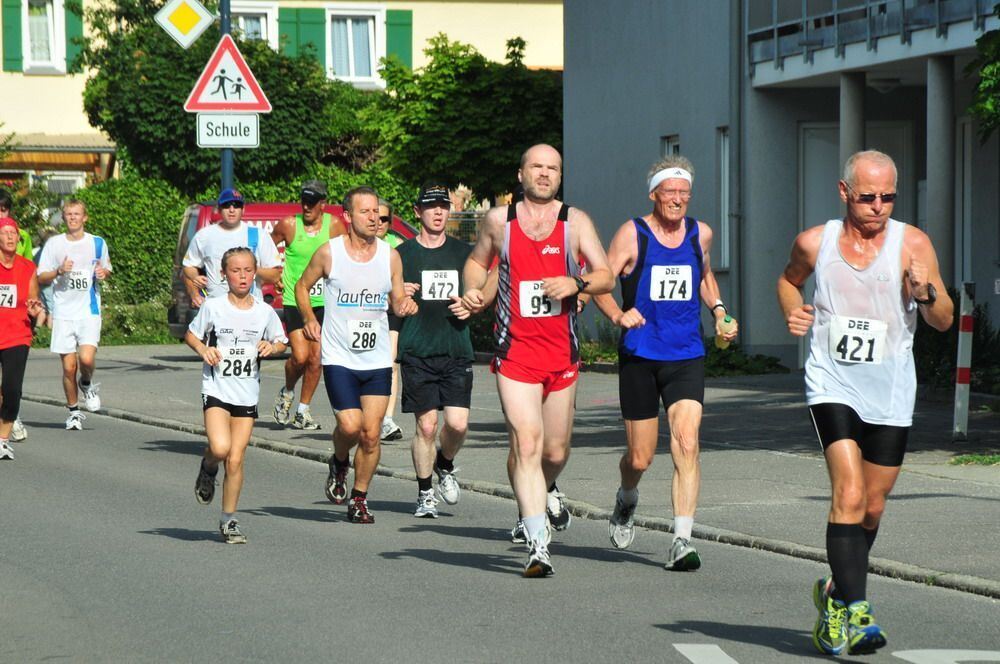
x: 192, y: 448
x: 185, y: 534
x: 787, y: 641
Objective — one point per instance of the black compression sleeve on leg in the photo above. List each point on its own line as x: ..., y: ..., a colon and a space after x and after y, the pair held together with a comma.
x: 847, y: 552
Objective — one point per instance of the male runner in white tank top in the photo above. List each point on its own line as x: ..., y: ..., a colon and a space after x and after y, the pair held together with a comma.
x: 873, y: 274
x: 362, y: 277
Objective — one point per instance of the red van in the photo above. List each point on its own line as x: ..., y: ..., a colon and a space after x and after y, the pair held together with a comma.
x: 262, y: 215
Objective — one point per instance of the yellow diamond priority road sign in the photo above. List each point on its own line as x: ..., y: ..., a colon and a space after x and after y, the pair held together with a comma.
x: 184, y: 20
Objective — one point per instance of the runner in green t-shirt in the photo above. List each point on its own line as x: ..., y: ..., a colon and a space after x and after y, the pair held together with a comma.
x: 302, y: 234
x: 435, y: 348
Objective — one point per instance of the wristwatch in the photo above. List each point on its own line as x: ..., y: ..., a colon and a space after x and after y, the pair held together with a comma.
x: 931, y: 296
x: 581, y: 283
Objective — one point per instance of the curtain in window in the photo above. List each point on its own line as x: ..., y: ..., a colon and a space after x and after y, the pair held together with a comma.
x: 253, y: 26
x: 361, y: 31
x: 340, y: 46
x: 40, y: 30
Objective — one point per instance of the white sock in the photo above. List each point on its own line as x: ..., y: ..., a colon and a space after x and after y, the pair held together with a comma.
x: 226, y: 516
x: 683, y: 526
x: 303, y: 408
x: 629, y: 496
x: 534, y: 527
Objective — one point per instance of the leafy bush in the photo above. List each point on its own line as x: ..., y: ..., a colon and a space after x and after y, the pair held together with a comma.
x: 935, y: 353
x: 125, y: 324
x: 140, y: 218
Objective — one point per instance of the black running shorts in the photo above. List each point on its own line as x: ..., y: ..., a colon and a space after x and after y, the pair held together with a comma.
x: 431, y: 383
x: 644, y: 384
x: 881, y: 444
x: 234, y: 411
x: 293, y: 318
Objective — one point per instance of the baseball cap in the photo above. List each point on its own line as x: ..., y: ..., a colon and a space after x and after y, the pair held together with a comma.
x: 230, y: 195
x: 314, y: 190
x: 433, y: 192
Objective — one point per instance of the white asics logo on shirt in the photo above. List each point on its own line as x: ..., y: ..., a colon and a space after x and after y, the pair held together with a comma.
x: 549, y: 249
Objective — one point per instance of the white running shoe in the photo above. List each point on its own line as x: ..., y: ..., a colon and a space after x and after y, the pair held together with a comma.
x: 283, y: 406
x: 448, y: 486
x: 231, y: 533
x: 6, y: 451
x: 426, y: 505
x: 75, y: 421
x: 305, y: 421
x: 89, y: 398
x: 621, y: 527
x: 555, y: 507
x: 390, y: 430
x: 18, y: 433
x: 682, y: 555
x: 539, y: 563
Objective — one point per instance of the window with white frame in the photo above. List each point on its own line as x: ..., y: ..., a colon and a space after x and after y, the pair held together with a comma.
x: 670, y: 145
x: 355, y: 44
x: 722, y: 240
x: 44, y: 30
x: 257, y: 20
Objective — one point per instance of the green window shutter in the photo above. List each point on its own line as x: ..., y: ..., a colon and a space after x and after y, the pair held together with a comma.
x: 399, y: 34
x: 74, y: 30
x: 11, y: 16
x: 288, y: 30
x: 312, y: 30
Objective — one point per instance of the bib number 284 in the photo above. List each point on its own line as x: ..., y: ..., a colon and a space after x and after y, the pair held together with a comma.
x: 238, y: 361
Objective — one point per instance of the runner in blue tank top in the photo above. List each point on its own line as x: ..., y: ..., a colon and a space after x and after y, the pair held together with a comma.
x: 662, y: 260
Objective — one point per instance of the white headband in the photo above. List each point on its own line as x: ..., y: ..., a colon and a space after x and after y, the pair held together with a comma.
x: 666, y: 174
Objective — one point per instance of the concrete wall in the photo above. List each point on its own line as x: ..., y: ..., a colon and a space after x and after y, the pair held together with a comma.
x: 43, y: 104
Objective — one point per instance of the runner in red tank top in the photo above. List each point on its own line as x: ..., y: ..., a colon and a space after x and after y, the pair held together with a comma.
x: 539, y: 242
x: 18, y: 304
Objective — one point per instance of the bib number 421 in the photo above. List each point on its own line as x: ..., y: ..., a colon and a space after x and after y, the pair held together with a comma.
x: 857, y: 340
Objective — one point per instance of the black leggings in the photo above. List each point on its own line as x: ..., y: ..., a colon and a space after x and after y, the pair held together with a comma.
x: 12, y: 363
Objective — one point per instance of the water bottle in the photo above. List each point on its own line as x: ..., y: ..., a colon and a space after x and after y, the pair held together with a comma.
x: 727, y: 325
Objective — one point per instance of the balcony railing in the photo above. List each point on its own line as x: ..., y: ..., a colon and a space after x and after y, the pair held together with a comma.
x: 786, y: 31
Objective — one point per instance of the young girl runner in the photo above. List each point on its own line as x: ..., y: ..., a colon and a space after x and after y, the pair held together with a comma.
x: 231, y: 333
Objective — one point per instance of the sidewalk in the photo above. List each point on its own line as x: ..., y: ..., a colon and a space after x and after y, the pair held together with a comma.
x: 764, y: 483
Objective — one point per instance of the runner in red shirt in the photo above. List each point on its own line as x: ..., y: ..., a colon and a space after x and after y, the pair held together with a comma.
x: 19, y: 303
x: 539, y: 241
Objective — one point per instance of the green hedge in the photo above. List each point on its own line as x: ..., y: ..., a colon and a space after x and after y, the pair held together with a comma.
x: 140, y: 219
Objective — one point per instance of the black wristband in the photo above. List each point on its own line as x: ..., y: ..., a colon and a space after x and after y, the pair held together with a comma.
x: 712, y: 310
x: 581, y: 284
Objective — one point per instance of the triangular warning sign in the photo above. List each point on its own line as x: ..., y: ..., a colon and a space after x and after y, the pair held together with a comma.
x: 227, y: 84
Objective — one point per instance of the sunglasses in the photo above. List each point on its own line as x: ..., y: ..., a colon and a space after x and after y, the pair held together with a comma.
x: 310, y: 202
x: 385, y: 220
x: 870, y: 198
x: 231, y: 204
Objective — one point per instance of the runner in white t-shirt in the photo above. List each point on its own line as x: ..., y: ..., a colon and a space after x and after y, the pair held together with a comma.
x: 75, y: 263
x: 231, y: 334
x: 210, y: 243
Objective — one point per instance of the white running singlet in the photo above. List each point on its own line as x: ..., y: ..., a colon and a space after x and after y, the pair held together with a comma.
x: 236, y: 333
x: 861, y: 349
x: 76, y: 294
x: 356, y: 296
x: 210, y: 243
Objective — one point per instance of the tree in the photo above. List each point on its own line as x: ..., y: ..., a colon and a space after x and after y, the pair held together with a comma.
x: 985, y: 105
x: 465, y: 118
x: 142, y: 78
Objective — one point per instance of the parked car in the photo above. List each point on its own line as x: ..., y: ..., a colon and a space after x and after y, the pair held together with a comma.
x: 261, y: 215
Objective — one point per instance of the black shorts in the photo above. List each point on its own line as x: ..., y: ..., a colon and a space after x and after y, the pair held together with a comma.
x: 293, y: 318
x: 881, y: 444
x: 395, y: 323
x: 432, y: 383
x: 234, y: 411
x: 643, y: 384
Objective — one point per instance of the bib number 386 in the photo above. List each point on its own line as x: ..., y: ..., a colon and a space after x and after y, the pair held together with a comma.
x: 535, y: 303
x: 238, y: 361
x: 8, y: 296
x: 363, y: 334
x: 857, y: 340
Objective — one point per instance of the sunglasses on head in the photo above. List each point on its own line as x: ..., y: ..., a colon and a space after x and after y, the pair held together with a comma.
x: 231, y: 204
x: 870, y: 198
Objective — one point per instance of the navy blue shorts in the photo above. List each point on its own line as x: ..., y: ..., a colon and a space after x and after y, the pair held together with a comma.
x: 345, y: 387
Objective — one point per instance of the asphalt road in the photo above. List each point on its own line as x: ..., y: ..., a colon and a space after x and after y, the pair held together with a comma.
x: 107, y: 557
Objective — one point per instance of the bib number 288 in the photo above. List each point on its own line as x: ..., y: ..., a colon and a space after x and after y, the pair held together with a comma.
x: 363, y: 335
